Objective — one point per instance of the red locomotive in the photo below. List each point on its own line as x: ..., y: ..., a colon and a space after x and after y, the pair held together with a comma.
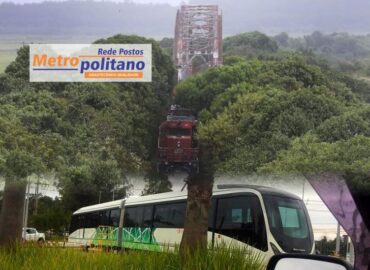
x: 177, y: 146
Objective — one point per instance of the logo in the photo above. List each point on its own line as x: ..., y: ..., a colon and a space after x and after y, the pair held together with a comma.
x: 90, y: 62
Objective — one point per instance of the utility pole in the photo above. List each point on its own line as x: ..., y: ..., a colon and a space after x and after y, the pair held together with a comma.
x: 337, y: 244
x: 25, y: 209
x: 37, y: 196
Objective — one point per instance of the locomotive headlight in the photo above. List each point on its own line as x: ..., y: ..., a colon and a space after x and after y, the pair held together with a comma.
x: 178, y: 144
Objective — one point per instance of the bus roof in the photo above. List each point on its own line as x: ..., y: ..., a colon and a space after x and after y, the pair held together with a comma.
x: 175, y: 196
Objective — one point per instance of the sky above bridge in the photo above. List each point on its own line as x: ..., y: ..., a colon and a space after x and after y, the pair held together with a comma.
x: 171, y: 2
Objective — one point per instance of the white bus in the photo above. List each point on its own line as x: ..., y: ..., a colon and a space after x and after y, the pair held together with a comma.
x: 266, y: 220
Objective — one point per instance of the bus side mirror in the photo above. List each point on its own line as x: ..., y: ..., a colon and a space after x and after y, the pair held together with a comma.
x: 306, y: 262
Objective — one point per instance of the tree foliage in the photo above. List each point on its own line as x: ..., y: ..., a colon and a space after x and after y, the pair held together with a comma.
x: 51, y: 215
x: 90, y: 135
x: 249, y: 44
x: 280, y: 116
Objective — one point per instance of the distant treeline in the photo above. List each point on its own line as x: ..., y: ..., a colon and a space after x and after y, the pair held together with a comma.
x: 346, y: 52
x: 343, y: 45
x: 157, y: 20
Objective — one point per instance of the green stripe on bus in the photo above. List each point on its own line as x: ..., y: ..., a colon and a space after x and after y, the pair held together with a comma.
x: 134, y: 238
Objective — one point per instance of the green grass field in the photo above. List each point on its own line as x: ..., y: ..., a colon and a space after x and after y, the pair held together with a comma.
x: 50, y: 258
x: 6, y: 56
x: 366, y: 79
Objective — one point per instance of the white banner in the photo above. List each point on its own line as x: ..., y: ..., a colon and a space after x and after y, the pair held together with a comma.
x: 90, y: 62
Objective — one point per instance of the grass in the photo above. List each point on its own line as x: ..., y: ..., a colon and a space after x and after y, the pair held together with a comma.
x: 6, y: 57
x: 49, y: 258
x: 365, y: 78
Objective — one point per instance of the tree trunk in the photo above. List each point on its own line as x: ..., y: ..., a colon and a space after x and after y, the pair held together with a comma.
x: 200, y: 186
x: 11, y: 217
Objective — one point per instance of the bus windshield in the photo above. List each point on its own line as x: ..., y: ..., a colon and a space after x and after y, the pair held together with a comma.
x: 289, y: 223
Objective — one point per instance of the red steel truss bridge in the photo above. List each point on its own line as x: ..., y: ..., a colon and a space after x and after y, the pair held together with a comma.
x: 198, y: 39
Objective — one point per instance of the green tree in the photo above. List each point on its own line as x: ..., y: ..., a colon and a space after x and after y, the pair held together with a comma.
x: 327, y: 247
x: 282, y: 39
x: 51, y: 215
x: 93, y: 181
x: 19, y: 67
x: 18, y: 165
x: 199, y: 187
x: 250, y: 45
x: 266, y: 116
x: 21, y: 155
x: 156, y: 181
x: 167, y: 45
x: 89, y: 135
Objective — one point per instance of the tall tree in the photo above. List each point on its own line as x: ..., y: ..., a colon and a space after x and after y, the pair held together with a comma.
x: 199, y: 186
x: 17, y: 167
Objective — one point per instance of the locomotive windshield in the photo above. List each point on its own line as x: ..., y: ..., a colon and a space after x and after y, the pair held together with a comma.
x: 289, y: 224
x: 178, y: 132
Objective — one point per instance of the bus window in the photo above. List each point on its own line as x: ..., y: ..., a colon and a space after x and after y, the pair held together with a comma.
x: 133, y: 216
x: 114, y: 217
x: 289, y: 223
x: 92, y: 220
x: 147, y: 216
x: 104, y: 218
x: 169, y: 215
x: 77, y: 222
x: 241, y: 218
x: 140, y: 216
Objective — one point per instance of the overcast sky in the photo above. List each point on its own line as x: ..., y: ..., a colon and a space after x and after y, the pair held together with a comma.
x: 171, y: 2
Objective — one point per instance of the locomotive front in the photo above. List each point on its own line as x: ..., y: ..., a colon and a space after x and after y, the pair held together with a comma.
x: 177, y: 146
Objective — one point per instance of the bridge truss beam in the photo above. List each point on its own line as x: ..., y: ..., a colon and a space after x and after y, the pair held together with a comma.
x: 198, y: 36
